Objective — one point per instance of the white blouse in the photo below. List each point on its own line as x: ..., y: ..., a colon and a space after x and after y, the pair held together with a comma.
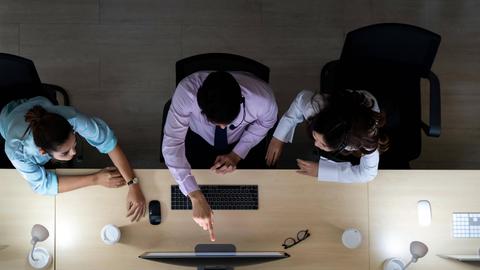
x: 304, y: 107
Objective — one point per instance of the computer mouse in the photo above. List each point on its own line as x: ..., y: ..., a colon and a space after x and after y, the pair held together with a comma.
x: 154, y: 212
x: 424, y: 213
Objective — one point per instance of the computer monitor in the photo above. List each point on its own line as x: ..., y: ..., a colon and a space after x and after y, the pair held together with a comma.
x: 216, y: 256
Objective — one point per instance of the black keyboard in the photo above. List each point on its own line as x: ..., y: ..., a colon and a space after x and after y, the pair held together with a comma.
x: 220, y: 197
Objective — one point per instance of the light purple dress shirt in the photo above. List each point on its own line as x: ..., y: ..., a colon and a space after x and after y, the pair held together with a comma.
x: 260, y: 115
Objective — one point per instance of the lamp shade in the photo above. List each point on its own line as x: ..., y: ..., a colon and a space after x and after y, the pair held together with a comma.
x: 418, y: 250
x: 39, y: 233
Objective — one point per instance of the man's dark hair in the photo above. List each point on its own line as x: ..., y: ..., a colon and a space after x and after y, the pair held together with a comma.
x: 220, y: 97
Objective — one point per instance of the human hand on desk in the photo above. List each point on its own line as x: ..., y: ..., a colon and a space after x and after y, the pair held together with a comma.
x: 135, y: 203
x: 109, y: 177
x: 307, y: 167
x: 275, y: 148
x: 202, y: 213
x: 226, y: 163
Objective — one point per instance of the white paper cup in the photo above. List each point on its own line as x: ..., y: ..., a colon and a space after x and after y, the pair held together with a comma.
x: 352, y: 238
x: 110, y: 234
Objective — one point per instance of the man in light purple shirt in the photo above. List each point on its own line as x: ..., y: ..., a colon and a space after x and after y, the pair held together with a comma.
x: 231, y: 113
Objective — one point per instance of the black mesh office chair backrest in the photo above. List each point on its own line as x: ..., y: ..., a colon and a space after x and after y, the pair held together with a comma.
x: 389, y: 60
x: 220, y: 61
x: 16, y: 70
x: 19, y: 79
x: 392, y: 45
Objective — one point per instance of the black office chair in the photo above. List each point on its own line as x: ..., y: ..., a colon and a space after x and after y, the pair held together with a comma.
x: 19, y: 79
x: 389, y: 60
x: 217, y: 61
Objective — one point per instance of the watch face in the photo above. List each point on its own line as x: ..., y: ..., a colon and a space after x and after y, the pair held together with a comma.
x: 133, y: 181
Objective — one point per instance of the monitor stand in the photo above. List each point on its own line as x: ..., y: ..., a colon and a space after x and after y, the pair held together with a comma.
x: 215, y: 248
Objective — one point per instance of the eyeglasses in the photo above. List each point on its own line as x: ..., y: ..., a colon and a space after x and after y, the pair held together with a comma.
x: 290, y: 242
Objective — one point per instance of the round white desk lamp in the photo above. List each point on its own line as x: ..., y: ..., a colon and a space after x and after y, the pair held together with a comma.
x: 39, y: 258
x: 417, y: 249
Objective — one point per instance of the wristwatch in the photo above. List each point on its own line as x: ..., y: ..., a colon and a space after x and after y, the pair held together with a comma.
x: 133, y: 181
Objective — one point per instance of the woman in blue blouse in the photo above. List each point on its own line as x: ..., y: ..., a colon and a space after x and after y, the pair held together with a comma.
x: 36, y: 131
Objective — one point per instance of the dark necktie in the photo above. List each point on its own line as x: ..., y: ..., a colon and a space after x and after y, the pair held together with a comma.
x: 220, y: 141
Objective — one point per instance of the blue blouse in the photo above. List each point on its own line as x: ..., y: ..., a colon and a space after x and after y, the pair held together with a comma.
x: 25, y: 155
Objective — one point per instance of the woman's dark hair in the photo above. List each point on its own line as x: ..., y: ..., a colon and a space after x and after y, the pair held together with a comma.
x: 348, y: 120
x: 220, y: 97
x: 49, y: 130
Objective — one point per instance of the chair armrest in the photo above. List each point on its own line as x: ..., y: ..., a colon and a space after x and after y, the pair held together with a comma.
x: 433, y: 130
x: 51, y: 89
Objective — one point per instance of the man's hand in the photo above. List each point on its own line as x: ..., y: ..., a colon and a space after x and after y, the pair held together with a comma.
x: 202, y: 214
x: 274, y: 151
x: 135, y: 203
x: 109, y: 177
x: 226, y: 163
x: 307, y: 167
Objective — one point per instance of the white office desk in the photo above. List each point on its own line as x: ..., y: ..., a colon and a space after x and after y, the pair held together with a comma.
x: 394, y: 224
x: 288, y: 202
x: 384, y: 210
x: 20, y: 209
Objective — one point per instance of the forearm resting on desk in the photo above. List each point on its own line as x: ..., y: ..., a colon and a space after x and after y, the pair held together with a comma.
x: 109, y: 177
x: 71, y: 182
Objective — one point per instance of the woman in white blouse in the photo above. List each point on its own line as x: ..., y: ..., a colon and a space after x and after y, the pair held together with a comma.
x: 347, y: 123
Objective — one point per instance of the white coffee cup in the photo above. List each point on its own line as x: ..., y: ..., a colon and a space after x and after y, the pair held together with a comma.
x: 110, y: 234
x: 352, y: 238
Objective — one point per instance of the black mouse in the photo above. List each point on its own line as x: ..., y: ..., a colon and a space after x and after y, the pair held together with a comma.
x: 154, y: 212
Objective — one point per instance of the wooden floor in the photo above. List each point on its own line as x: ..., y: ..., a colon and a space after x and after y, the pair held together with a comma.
x: 116, y: 58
